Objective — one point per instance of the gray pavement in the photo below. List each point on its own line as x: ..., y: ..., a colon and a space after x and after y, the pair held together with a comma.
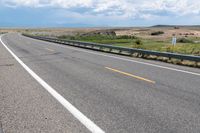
x: 1, y: 130
x: 25, y: 107
x: 116, y: 102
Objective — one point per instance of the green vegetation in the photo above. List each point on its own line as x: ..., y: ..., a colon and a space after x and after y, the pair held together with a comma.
x: 137, y: 43
x: 184, y: 40
x: 184, y: 46
x: 157, y: 33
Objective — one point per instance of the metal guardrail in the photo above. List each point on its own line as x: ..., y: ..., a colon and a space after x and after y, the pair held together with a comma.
x: 117, y: 49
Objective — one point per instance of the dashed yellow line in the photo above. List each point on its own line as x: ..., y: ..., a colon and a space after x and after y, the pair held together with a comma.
x: 49, y: 49
x: 131, y: 75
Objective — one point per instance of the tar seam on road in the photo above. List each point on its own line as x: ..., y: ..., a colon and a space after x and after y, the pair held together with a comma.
x: 131, y: 60
x: 1, y: 129
x: 131, y: 75
x: 90, y: 125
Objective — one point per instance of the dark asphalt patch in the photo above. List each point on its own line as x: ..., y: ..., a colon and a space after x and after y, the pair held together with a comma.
x: 6, y: 65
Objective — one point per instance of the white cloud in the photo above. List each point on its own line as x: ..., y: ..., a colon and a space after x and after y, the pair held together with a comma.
x: 145, y: 9
x: 178, y: 7
x: 71, y: 3
x: 48, y: 3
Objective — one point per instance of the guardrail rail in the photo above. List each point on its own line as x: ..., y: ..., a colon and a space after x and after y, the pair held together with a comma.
x: 117, y: 49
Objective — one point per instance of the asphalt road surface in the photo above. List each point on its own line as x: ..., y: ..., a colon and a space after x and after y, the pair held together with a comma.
x: 47, y: 87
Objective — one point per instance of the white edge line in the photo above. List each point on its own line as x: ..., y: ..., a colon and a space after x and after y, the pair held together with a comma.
x: 75, y: 112
x: 129, y: 60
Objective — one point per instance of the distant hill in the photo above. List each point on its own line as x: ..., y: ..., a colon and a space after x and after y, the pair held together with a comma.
x: 164, y: 26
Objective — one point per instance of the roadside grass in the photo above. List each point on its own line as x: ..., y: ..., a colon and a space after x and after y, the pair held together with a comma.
x: 194, y: 38
x: 182, y: 48
x: 147, y: 44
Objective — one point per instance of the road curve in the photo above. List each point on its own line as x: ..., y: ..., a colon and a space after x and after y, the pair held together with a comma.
x: 118, y: 94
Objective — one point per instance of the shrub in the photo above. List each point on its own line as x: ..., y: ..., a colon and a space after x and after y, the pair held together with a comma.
x: 157, y: 33
x: 176, y: 27
x: 138, y: 44
x: 184, y: 40
x: 126, y: 37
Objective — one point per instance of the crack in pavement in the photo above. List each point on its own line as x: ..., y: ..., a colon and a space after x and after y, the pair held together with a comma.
x: 1, y: 129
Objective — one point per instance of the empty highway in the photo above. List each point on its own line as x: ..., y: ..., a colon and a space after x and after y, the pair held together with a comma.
x: 47, y: 87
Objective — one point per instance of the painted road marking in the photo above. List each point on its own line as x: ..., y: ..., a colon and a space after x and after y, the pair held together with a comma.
x: 49, y: 49
x: 73, y: 110
x: 129, y: 60
x: 131, y: 75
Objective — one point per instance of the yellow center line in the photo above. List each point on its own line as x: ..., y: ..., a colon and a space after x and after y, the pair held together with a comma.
x: 49, y: 49
x: 131, y: 75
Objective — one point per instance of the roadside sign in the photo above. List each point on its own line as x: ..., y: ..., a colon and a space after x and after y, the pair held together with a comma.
x: 173, y: 40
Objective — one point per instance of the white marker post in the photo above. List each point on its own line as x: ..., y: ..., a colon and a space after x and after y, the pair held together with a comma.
x: 173, y: 41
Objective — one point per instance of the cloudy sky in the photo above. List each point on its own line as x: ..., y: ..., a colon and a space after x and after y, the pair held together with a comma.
x: 98, y: 13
